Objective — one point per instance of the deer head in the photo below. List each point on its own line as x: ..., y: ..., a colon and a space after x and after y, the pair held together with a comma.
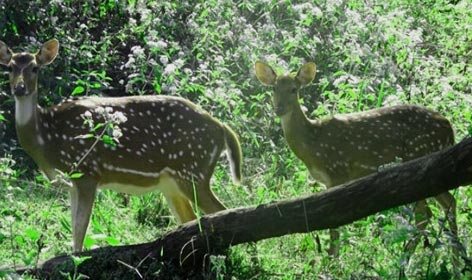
x: 24, y: 67
x: 286, y: 87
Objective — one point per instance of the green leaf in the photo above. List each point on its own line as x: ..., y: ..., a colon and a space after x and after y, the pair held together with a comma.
x: 89, y: 242
x: 78, y: 90
x: 40, y: 178
x: 108, y: 140
x: 112, y: 241
x: 28, y: 258
x: 157, y: 87
x: 98, y: 126
x: 33, y: 234
x: 14, y: 28
x: 20, y: 240
x: 3, y: 237
x: 85, y: 136
x: 79, y: 260
x: 76, y: 175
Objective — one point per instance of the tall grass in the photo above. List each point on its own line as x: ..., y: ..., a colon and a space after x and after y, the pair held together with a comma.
x: 368, y: 54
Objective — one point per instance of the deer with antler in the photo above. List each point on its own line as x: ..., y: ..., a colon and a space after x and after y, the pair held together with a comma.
x: 349, y: 146
x: 169, y: 144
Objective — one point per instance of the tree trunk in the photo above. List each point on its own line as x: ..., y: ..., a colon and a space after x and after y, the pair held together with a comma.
x: 187, y: 247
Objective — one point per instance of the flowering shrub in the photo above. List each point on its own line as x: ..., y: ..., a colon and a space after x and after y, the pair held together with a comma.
x: 368, y: 54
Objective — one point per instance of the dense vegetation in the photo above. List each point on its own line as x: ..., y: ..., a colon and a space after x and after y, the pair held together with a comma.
x: 368, y: 54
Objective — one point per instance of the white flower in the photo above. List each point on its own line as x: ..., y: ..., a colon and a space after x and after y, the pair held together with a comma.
x: 119, y: 117
x: 159, y: 44
x: 164, y: 59
x: 100, y: 110
x: 179, y: 63
x: 117, y: 133
x: 87, y: 115
x: 188, y: 71
x: 137, y: 50
x: 130, y: 62
x: 129, y: 87
x: 317, y: 12
x: 170, y: 69
x: 391, y: 100
x: 172, y: 89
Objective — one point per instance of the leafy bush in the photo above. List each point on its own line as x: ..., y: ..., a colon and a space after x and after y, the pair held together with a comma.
x: 368, y: 54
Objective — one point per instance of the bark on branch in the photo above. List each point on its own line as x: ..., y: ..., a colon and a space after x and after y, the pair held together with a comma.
x: 189, y: 245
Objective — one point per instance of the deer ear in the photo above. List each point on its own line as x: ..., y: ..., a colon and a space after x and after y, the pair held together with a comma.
x: 265, y: 73
x: 306, y: 74
x: 48, y: 52
x: 5, y: 54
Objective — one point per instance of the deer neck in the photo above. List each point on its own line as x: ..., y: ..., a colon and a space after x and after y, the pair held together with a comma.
x: 297, y: 129
x: 27, y: 121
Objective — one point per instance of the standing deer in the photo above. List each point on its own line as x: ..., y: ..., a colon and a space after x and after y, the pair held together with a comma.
x: 345, y: 147
x: 169, y: 144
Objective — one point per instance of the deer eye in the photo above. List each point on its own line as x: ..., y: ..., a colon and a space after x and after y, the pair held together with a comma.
x: 35, y: 69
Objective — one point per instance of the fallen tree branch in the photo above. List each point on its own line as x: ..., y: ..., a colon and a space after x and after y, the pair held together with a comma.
x: 188, y: 246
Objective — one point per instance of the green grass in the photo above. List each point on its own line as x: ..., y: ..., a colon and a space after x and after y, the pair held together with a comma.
x: 368, y: 54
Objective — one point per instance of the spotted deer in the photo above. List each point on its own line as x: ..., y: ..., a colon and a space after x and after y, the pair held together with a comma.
x: 349, y: 146
x: 168, y: 144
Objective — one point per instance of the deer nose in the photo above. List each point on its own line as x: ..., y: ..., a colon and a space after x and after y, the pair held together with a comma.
x: 19, y: 89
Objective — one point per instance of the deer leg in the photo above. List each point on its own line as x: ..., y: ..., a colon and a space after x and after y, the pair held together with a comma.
x: 180, y: 207
x: 82, y: 196
x: 206, y: 199
x: 422, y: 216
x: 177, y: 199
x: 448, y: 204
x: 334, y: 242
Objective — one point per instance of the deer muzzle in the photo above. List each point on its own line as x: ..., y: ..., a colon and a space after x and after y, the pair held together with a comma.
x: 19, y: 89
